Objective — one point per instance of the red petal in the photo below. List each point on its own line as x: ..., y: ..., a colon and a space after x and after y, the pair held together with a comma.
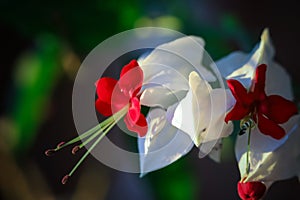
x: 131, y: 79
x: 134, y: 120
x: 118, y: 100
x: 240, y: 93
x: 132, y: 64
x: 140, y: 127
x: 105, y: 87
x: 109, y: 95
x: 280, y: 109
x: 268, y: 127
x: 251, y: 190
x: 134, y: 110
x: 258, y: 84
x: 238, y: 112
x: 103, y: 108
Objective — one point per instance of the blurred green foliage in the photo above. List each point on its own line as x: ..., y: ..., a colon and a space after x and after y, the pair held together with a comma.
x: 36, y: 74
x: 175, y: 181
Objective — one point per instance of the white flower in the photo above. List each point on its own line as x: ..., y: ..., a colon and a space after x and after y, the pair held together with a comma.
x: 187, y: 110
x: 241, y: 66
x: 269, y: 159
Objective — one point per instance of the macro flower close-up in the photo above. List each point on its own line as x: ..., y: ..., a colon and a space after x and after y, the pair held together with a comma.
x: 152, y: 100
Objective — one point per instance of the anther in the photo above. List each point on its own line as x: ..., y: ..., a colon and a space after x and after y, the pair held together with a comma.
x: 50, y: 152
x: 75, y: 149
x: 65, y: 179
x: 60, y: 144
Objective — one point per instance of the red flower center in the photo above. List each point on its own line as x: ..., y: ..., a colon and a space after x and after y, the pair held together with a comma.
x: 113, y: 95
x: 267, y: 111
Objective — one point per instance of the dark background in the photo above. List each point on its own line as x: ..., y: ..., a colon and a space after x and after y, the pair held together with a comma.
x: 42, y: 46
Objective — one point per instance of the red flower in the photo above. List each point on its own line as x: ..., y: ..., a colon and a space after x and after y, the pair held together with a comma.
x: 113, y: 95
x: 251, y: 190
x: 266, y: 111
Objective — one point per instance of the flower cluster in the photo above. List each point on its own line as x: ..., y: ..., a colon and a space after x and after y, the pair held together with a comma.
x: 187, y: 109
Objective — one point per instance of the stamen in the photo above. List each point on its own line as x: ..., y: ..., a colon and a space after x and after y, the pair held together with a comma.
x: 92, y: 131
x: 248, y: 168
x: 60, y: 144
x: 95, y: 130
x: 80, y: 137
x: 248, y: 149
x: 101, y: 129
x: 50, y: 152
x: 119, y: 116
x: 95, y: 134
x: 65, y: 179
x: 75, y: 149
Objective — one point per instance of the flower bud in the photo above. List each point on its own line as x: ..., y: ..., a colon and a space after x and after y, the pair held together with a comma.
x: 251, y: 190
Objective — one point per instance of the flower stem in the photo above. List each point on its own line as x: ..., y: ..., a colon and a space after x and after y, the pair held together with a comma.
x: 248, y: 149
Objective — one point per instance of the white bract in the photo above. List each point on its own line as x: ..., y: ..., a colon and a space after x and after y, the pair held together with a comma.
x: 185, y: 109
x: 271, y: 165
x: 241, y: 66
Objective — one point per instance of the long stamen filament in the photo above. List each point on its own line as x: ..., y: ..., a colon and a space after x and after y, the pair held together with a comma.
x: 110, y: 121
x: 82, y: 136
x: 64, y: 180
x: 92, y: 131
x: 62, y: 145
x: 95, y: 134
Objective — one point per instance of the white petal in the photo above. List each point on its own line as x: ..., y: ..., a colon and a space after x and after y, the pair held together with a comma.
x: 232, y: 62
x: 186, y: 116
x: 201, y: 113
x: 216, y: 128
x: 169, y: 65
x: 216, y: 151
x: 278, y: 81
x: 160, y: 96
x: 163, y: 144
x: 241, y: 67
x: 221, y: 101
x: 270, y: 159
